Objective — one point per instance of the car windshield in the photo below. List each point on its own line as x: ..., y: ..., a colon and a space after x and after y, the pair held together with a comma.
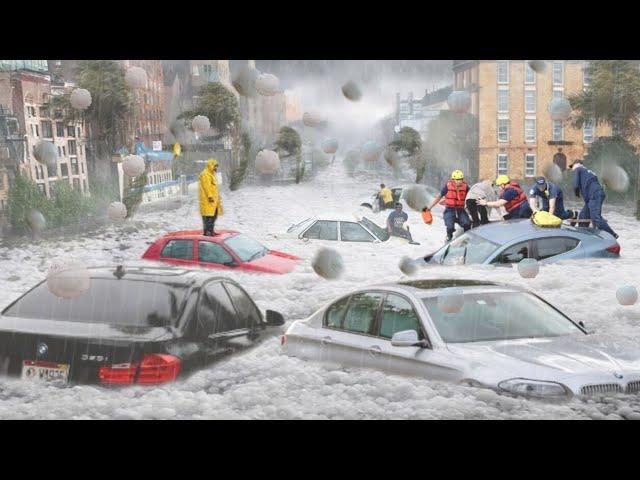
x: 298, y: 225
x: 496, y: 316
x: 467, y: 249
x: 379, y: 232
x: 108, y: 301
x: 246, y: 248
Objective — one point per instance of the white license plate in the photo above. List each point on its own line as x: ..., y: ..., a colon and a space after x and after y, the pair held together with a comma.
x: 45, y: 372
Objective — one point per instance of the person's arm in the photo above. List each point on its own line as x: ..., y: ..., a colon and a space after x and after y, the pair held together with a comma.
x: 533, y: 203
x: 576, y: 182
x: 435, y: 202
x: 552, y: 205
x: 207, y: 186
x: 389, y: 222
x: 496, y: 204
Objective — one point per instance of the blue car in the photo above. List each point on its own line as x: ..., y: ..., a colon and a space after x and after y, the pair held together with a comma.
x: 511, y: 241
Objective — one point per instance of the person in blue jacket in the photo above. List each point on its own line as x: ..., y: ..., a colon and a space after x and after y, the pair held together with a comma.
x: 552, y: 199
x: 586, y: 184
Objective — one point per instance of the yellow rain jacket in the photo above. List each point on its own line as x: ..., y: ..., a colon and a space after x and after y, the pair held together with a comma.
x: 386, y: 195
x: 209, y: 194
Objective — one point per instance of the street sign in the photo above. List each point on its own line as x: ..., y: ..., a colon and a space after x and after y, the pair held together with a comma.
x: 157, y: 145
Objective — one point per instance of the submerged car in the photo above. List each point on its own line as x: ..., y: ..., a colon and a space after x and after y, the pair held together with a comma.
x: 133, y: 325
x: 228, y: 250
x: 399, y: 195
x: 514, y: 240
x: 470, y: 332
x: 340, y: 229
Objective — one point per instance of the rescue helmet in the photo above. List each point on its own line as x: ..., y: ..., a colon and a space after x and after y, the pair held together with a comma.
x: 502, y: 180
x: 457, y: 175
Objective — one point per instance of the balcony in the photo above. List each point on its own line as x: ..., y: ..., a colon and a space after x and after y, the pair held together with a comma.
x: 559, y: 142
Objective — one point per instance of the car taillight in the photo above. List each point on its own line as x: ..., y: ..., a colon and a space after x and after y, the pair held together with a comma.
x: 153, y: 370
x: 614, y: 249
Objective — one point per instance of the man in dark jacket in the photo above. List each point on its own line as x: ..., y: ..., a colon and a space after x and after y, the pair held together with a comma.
x: 395, y: 224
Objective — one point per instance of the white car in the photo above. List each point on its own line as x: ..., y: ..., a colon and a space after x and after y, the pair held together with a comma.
x: 399, y: 195
x: 470, y: 332
x: 342, y: 229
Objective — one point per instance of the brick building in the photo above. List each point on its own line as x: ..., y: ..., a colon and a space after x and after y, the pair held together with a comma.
x: 517, y: 136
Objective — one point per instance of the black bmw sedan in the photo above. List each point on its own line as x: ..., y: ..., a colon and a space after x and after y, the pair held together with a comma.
x: 133, y: 325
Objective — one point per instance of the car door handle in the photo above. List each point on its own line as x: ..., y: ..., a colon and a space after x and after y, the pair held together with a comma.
x: 375, y: 350
x: 326, y: 340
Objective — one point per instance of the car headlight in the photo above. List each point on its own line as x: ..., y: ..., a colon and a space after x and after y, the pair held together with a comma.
x: 534, y: 388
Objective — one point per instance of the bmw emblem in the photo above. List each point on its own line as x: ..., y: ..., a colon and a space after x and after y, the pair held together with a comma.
x: 618, y: 375
x: 42, y: 349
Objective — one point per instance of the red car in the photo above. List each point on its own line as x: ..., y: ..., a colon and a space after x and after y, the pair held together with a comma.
x: 228, y: 250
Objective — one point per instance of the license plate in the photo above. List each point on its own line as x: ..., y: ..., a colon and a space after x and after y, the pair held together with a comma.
x: 49, y: 372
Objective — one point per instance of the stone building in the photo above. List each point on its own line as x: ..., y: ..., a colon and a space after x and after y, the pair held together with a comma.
x: 517, y: 136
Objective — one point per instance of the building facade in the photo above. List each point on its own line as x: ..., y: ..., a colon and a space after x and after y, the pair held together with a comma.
x: 418, y: 113
x: 517, y: 136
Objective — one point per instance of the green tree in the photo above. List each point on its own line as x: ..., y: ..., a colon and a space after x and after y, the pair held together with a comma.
x: 409, y: 144
x: 238, y: 173
x: 219, y: 105
x: 289, y: 142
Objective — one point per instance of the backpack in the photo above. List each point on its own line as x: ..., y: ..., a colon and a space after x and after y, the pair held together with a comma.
x: 545, y: 219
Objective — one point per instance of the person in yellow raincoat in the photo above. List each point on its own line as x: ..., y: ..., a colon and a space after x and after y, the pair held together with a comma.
x: 210, y: 204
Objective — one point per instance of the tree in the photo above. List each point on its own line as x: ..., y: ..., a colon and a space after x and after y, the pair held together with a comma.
x: 108, y: 115
x: 238, y: 173
x: 290, y: 142
x: 219, y: 105
x: 409, y: 143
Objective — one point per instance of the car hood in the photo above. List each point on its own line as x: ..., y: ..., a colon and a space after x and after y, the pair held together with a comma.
x: 274, y: 262
x: 565, y: 355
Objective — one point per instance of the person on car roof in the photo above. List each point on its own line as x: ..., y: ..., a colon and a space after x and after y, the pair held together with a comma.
x: 210, y: 204
x: 551, y: 197
x: 395, y: 224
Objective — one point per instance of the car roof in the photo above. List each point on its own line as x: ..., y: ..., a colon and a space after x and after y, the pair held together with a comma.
x: 156, y: 274
x: 506, y: 231
x: 431, y: 287
x: 220, y: 236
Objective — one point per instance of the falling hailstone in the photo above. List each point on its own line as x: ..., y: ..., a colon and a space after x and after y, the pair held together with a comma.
x: 528, y: 268
x: 312, y: 119
x: 68, y: 279
x: 200, y: 124
x: 616, y: 178
x: 553, y: 172
x: 560, y: 109
x: 36, y: 221
x: 417, y: 197
x: 330, y: 146
x: 408, y: 266
x: 267, y: 84
x: 371, y: 151
x: 136, y: 77
x: 351, y: 91
x: 538, y: 66
x: 451, y: 300
x: 328, y: 263
x: 267, y: 162
x: 133, y: 165
x: 117, y: 211
x: 627, y: 295
x: 80, y: 99
x: 459, y: 101
x: 245, y: 81
x: 46, y: 153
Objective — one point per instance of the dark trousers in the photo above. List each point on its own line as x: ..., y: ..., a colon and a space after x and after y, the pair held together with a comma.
x: 474, y: 210
x: 593, y: 209
x: 401, y: 232
x: 208, y: 224
x: 453, y: 216
x: 523, y: 211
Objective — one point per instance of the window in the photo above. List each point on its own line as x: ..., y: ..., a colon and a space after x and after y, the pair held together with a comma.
x: 530, y: 165
x: 503, y: 101
x: 64, y: 170
x: 397, y: 316
x: 322, y: 229
x: 248, y: 314
x: 530, y: 101
x: 503, y: 129
x: 550, y: 247
x: 586, y: 74
x: 71, y: 131
x: 216, y: 313
x: 44, y: 111
x: 79, y: 132
x: 468, y: 249
x: 558, y: 130
x: 503, y: 72
x: 76, y: 184
x: 82, y: 167
x: 72, y: 147
x: 502, y: 163
x: 361, y: 312
x: 587, y: 132
x: 335, y: 313
x: 47, y: 131
x: 34, y: 131
x: 74, y: 166
x: 529, y: 74
x: 31, y: 111
x: 558, y: 73
x: 513, y: 254
x: 180, y: 249
x: 246, y: 248
x: 59, y: 129
x: 353, y: 232
x: 211, y: 252
x: 558, y: 93
x: 530, y: 130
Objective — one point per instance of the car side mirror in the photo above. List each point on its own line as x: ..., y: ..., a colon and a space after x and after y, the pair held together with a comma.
x: 406, y: 338
x: 274, y: 319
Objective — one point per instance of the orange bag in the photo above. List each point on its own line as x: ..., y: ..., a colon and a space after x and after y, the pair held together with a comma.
x: 427, y: 217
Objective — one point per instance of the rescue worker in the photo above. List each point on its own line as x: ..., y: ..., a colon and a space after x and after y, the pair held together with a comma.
x: 479, y: 191
x: 395, y: 224
x: 552, y: 199
x: 586, y: 184
x: 455, y: 194
x: 385, y: 197
x: 210, y: 204
x: 512, y: 198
